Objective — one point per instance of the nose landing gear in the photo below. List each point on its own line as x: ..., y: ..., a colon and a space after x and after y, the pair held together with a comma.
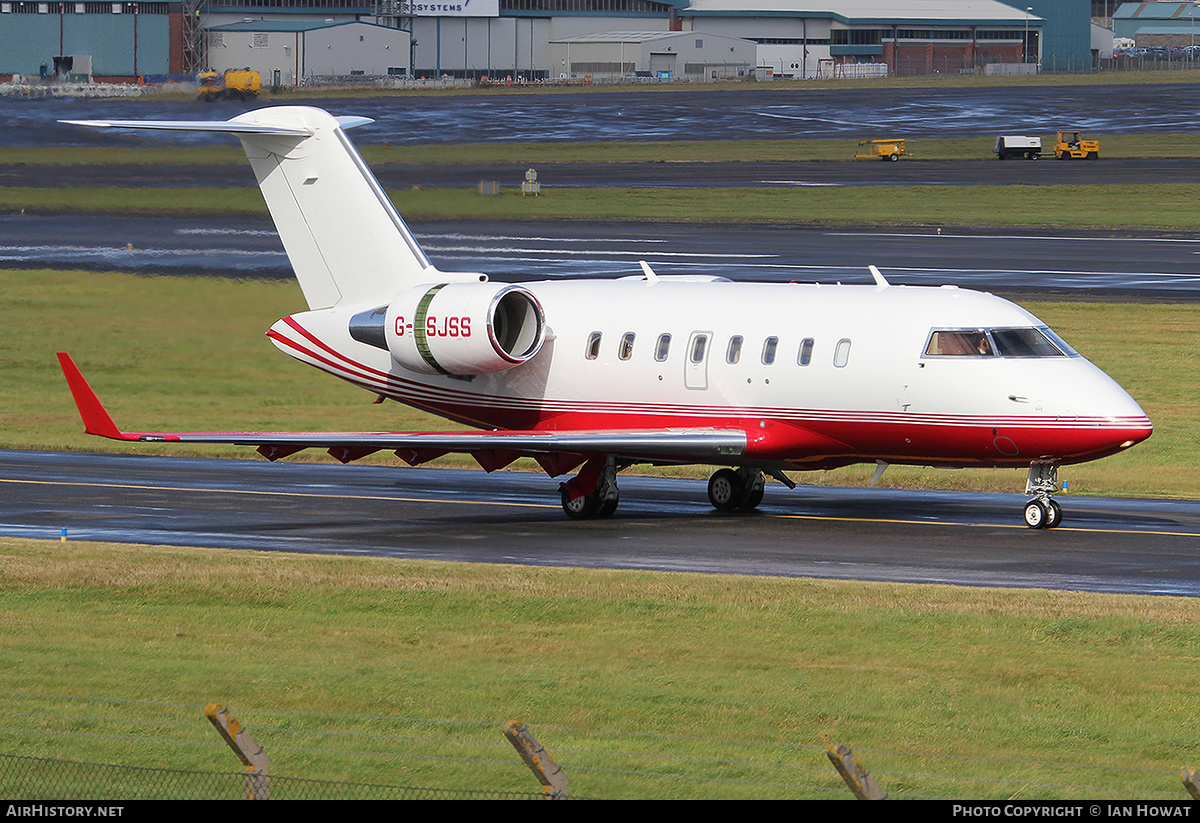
x: 1043, y: 511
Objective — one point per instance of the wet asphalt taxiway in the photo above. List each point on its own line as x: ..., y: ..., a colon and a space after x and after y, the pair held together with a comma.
x: 1110, y: 545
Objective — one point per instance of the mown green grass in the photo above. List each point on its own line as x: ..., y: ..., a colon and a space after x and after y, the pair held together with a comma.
x: 642, y: 685
x: 1158, y: 206
x: 1115, y: 146
x: 189, y: 353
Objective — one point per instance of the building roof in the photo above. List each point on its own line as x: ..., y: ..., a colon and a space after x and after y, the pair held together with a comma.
x: 1153, y: 11
x: 866, y: 11
x: 634, y: 36
x: 292, y: 25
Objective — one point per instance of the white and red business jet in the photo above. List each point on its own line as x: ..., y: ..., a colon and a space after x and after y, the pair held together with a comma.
x: 600, y: 375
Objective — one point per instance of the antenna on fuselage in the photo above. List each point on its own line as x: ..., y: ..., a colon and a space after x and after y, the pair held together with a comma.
x: 649, y: 272
x: 880, y: 281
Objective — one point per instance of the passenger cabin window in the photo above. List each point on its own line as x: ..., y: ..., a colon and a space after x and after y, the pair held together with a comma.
x: 593, y: 346
x: 841, y: 355
x: 768, y: 352
x: 662, y: 348
x: 734, y: 352
x: 805, y: 355
x: 626, y: 349
x: 1017, y: 342
x: 698, y: 347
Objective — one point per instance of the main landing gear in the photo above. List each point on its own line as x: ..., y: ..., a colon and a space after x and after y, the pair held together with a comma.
x: 736, y: 489
x: 1043, y: 511
x: 600, y: 474
x: 728, y: 489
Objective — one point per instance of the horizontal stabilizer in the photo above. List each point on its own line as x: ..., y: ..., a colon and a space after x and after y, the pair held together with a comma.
x: 216, y: 126
x: 219, y: 126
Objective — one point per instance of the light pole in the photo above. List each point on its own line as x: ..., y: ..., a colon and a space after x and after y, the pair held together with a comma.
x: 1025, y: 45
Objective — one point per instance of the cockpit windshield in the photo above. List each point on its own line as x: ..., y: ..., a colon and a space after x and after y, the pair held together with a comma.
x: 1013, y: 342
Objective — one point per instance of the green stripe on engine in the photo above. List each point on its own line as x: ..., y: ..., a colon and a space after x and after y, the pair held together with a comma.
x: 419, y: 329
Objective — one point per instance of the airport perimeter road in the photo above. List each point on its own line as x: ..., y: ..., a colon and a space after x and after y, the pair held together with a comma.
x: 1130, y: 265
x: 1146, y: 547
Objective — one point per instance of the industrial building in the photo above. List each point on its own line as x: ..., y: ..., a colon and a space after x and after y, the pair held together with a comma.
x: 1157, y: 25
x: 284, y: 52
x: 661, y: 55
x: 526, y: 40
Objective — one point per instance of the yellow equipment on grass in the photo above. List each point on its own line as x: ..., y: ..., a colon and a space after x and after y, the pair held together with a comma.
x: 233, y: 84
x: 892, y: 149
x: 1070, y: 145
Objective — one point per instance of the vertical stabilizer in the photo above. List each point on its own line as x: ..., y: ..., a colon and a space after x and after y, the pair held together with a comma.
x: 346, y: 242
x: 344, y: 238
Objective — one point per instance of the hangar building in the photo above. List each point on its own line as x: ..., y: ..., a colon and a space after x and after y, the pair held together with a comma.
x: 286, y: 51
x: 1157, y: 25
x: 660, y: 54
x: 810, y: 38
x: 498, y: 38
x: 122, y: 39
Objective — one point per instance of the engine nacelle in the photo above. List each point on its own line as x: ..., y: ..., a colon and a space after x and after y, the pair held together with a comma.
x: 463, y: 328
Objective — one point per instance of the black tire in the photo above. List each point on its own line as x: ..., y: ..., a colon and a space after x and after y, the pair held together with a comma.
x: 725, y: 490
x: 752, y: 498
x: 1054, y: 514
x: 580, y: 508
x: 1036, y: 514
x: 608, y: 506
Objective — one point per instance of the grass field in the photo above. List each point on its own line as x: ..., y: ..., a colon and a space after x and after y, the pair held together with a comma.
x: 642, y: 685
x: 1168, y: 206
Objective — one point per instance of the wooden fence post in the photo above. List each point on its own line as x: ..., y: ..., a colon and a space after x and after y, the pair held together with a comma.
x: 856, y: 777
x: 252, y: 755
x: 548, y: 773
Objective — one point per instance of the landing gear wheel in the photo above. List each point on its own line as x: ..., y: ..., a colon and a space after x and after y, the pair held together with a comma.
x: 725, y: 490
x: 1037, y: 514
x: 580, y: 508
x: 1053, y: 514
x: 754, y: 496
x: 608, y: 505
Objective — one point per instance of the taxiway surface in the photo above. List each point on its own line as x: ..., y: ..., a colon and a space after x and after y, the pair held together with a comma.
x: 1022, y: 263
x: 1135, y: 546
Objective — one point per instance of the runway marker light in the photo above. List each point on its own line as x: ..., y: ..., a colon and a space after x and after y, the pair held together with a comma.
x: 63, y: 537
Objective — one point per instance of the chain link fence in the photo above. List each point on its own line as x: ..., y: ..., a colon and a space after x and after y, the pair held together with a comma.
x: 38, y: 778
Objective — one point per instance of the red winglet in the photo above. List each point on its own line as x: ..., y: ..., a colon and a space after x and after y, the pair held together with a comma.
x: 95, y: 418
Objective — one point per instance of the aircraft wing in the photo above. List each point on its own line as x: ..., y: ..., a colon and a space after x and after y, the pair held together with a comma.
x: 556, y: 452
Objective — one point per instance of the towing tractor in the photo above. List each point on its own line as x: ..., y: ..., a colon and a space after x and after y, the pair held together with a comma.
x: 1009, y: 146
x: 232, y: 84
x: 1070, y: 145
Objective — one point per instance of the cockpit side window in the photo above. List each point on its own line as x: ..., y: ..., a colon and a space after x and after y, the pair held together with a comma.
x: 959, y: 343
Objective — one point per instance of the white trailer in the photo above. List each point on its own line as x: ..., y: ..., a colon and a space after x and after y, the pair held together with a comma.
x: 1010, y: 145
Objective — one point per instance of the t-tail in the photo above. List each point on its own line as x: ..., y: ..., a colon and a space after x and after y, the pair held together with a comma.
x: 346, y: 242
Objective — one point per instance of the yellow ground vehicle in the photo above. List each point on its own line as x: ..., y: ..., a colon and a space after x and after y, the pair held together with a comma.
x: 233, y: 84
x: 1070, y: 145
x: 892, y: 149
